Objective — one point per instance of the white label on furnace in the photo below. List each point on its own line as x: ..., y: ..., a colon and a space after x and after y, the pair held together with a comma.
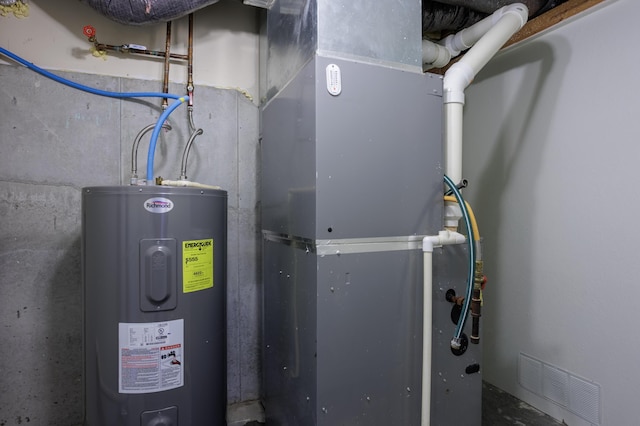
x: 334, y: 79
x: 151, y: 356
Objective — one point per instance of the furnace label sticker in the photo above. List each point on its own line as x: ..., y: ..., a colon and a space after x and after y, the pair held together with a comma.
x: 197, y: 265
x: 151, y: 356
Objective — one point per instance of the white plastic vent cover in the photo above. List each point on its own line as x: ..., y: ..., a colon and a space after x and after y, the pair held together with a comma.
x: 584, y: 399
x: 530, y: 374
x: 578, y: 395
x: 555, y: 384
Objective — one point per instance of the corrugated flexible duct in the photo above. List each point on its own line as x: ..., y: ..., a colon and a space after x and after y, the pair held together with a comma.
x: 140, y: 12
x: 437, y: 16
x: 490, y: 6
x: 455, y: 15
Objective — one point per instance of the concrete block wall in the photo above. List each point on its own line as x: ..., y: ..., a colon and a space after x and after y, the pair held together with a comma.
x: 54, y: 140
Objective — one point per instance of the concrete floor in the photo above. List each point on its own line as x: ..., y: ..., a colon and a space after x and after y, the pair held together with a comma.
x: 498, y: 409
x: 501, y: 409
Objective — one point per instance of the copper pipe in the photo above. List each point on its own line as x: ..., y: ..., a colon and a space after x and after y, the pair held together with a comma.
x: 476, y: 302
x: 190, y: 62
x: 190, y: 88
x: 167, y: 58
x: 125, y: 49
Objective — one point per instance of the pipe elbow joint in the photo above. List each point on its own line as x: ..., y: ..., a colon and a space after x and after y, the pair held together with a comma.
x: 428, y: 243
x: 456, y: 80
x: 520, y: 10
x: 453, y: 44
x: 434, y: 55
x: 443, y: 238
x: 451, y: 237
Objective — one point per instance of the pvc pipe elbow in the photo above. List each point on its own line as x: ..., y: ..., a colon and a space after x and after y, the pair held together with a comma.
x: 428, y: 243
x: 453, y: 44
x: 450, y: 237
x: 445, y: 237
x: 434, y: 55
x: 462, y: 73
x: 517, y: 9
x: 456, y: 80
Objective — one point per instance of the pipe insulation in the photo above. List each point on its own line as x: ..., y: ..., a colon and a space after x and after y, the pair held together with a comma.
x: 437, y: 16
x: 140, y: 12
x: 454, y: 15
x: 503, y: 24
x: 489, y: 6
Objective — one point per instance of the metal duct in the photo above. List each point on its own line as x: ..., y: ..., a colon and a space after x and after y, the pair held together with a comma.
x: 140, y: 12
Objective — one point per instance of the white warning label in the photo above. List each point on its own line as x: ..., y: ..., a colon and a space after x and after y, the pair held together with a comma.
x: 151, y: 356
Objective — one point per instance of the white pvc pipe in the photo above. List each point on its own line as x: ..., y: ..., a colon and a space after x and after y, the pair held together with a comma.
x: 511, y: 19
x: 445, y: 237
x: 453, y: 140
x: 506, y: 22
x: 463, y: 40
x: 490, y: 34
x: 427, y: 336
x: 434, y: 55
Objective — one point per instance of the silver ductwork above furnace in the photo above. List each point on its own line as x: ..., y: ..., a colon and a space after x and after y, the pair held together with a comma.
x: 296, y: 30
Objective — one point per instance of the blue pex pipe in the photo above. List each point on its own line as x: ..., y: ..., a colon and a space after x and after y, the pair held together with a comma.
x: 119, y: 95
x: 156, y: 133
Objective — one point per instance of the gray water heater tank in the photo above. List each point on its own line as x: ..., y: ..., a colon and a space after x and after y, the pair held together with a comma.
x: 154, y: 278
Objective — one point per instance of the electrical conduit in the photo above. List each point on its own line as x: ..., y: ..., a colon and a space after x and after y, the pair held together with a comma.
x: 119, y: 95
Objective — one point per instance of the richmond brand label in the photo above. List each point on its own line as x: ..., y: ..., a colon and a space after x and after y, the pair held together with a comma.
x: 158, y: 205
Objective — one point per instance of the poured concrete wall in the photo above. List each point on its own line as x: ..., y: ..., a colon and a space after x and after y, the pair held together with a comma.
x: 54, y: 140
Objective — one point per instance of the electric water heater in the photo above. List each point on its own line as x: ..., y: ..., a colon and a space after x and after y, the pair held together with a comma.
x: 154, y: 276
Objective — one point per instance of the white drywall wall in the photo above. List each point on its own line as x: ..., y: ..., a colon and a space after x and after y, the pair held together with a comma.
x: 551, y: 151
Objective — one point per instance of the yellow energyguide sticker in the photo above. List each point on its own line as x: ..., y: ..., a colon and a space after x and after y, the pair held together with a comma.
x: 197, y: 265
